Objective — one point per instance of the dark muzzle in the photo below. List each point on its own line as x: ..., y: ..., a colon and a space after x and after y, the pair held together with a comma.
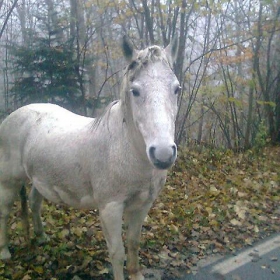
x: 163, y: 157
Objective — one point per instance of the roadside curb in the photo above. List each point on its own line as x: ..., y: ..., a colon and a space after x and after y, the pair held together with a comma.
x: 259, y: 262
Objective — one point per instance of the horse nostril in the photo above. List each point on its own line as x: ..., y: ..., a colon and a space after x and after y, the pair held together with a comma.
x: 152, y: 152
x: 174, y: 148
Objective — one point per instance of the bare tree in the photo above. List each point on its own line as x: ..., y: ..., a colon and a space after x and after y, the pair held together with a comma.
x: 7, y: 16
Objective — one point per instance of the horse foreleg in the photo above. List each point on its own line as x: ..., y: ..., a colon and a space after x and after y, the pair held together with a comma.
x: 134, y: 220
x: 7, y: 196
x: 35, y: 201
x: 111, y: 221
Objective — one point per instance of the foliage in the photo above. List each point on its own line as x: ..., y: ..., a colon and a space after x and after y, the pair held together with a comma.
x: 225, y: 65
x: 261, y: 138
x: 46, y: 72
x: 214, y: 202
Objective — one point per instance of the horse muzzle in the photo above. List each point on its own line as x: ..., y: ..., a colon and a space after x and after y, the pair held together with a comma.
x: 163, y: 156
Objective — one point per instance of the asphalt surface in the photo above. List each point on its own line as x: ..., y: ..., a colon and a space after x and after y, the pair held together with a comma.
x: 259, y: 262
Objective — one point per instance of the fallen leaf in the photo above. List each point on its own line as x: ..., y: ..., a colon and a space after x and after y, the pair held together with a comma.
x: 26, y: 277
x: 235, y: 222
x: 104, y: 271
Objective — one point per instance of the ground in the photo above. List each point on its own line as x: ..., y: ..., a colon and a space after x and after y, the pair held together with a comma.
x: 214, y: 203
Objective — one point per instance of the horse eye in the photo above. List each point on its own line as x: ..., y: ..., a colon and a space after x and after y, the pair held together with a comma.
x: 177, y: 90
x: 135, y: 92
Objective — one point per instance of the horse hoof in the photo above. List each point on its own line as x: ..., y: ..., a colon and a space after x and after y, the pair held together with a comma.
x: 137, y: 276
x: 42, y: 239
x: 5, y: 254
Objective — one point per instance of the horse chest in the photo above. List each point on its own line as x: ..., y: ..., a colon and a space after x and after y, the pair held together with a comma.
x: 142, y: 194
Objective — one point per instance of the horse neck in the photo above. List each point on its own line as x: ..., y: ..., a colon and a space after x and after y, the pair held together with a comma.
x: 129, y: 136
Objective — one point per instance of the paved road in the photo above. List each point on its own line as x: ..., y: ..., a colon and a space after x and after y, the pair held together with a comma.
x: 260, y: 262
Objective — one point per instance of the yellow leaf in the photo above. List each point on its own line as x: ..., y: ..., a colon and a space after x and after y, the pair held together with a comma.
x: 241, y: 194
x: 39, y: 269
x: 248, y: 241
x: 26, y: 277
x: 174, y: 228
x: 256, y: 229
x: 214, y: 190
x: 235, y: 222
x: 209, y: 210
x: 104, y: 271
x: 213, y: 223
x: 63, y: 233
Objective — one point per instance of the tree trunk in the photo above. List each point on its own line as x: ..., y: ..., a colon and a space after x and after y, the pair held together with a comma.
x: 247, y: 141
x: 277, y: 111
x: 149, y: 21
x: 78, y: 35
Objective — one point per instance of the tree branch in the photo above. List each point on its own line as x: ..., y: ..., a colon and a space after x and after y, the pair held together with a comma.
x: 218, y: 49
x: 7, y: 18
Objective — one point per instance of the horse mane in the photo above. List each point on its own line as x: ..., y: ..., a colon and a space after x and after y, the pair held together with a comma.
x: 96, y: 122
x: 144, y: 57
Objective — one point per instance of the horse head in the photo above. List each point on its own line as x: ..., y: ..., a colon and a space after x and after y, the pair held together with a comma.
x: 149, y: 95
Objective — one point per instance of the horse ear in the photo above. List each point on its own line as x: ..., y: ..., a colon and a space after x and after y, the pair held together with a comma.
x: 172, y: 48
x: 127, y: 48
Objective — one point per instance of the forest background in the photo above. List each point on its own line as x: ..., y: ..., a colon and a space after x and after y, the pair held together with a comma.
x: 216, y: 200
x: 68, y: 52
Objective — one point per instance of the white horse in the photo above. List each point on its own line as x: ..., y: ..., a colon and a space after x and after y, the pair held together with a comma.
x: 117, y: 163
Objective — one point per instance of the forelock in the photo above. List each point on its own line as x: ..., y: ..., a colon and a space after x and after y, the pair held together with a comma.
x: 146, y: 56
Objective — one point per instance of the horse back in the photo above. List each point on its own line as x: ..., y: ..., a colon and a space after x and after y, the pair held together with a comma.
x: 24, y: 131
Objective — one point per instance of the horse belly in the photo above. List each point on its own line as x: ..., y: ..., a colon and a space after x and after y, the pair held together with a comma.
x: 66, y: 194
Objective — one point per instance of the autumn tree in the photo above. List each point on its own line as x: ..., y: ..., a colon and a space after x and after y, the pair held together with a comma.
x: 45, y: 72
x: 228, y: 63
x: 267, y: 71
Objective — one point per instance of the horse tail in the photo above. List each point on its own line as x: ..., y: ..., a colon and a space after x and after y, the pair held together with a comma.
x: 24, y: 211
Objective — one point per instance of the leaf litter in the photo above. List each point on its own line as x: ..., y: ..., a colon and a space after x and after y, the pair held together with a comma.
x: 214, y: 202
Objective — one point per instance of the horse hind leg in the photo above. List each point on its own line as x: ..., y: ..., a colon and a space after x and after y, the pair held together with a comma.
x: 24, y: 212
x: 35, y: 203
x: 7, y: 197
